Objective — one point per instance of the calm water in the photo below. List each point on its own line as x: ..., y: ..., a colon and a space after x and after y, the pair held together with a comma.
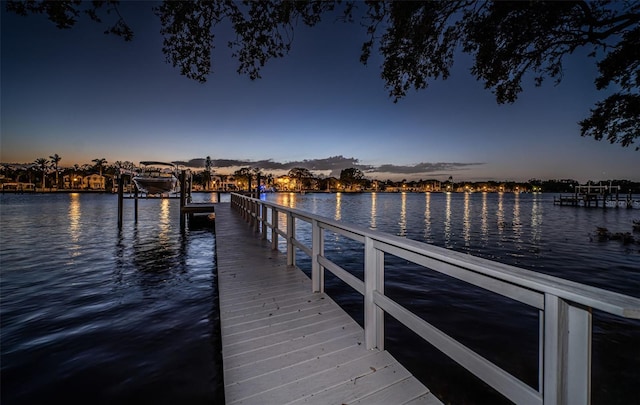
x: 90, y: 314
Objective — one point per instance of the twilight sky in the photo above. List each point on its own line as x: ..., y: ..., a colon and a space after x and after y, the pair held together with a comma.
x: 85, y: 95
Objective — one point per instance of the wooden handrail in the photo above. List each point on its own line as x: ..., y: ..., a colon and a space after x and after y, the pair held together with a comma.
x: 565, y: 306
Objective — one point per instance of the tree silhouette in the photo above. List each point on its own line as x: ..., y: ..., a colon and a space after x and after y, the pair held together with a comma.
x: 208, y: 164
x: 300, y: 174
x: 245, y: 174
x: 259, y: 175
x: 351, y: 176
x: 42, y: 164
x: 55, y: 159
x: 100, y: 162
x: 417, y: 40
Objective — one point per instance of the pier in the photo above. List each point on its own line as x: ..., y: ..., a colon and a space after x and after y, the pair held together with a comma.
x: 285, y: 341
x: 595, y: 196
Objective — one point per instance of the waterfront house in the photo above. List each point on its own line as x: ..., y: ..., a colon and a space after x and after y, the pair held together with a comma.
x: 93, y: 182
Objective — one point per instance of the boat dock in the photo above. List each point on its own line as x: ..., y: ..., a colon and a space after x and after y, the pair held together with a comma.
x: 595, y: 196
x: 283, y: 343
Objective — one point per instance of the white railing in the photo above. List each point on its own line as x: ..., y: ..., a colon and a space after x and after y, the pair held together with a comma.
x: 565, y: 306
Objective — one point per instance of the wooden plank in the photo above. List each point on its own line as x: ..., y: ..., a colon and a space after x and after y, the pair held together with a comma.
x: 240, y: 297
x: 312, y: 365
x: 270, y: 325
x: 251, y: 308
x: 238, y: 369
x: 280, y: 314
x: 358, y: 387
x: 319, y: 377
x: 253, y: 344
x: 236, y: 296
x: 428, y: 399
x: 281, y: 342
x: 399, y: 393
x: 296, y: 343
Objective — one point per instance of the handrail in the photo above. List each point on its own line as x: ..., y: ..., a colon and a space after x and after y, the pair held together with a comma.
x: 565, y: 306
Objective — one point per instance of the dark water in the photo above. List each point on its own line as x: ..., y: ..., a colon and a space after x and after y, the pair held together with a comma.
x: 524, y: 230
x: 92, y: 315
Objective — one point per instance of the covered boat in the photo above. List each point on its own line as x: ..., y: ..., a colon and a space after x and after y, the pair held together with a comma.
x: 156, y: 177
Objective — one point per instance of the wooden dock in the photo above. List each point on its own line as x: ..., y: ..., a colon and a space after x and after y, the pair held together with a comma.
x: 283, y: 344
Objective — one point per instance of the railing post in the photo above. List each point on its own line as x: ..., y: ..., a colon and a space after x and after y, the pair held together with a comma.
x: 120, y: 199
x: 317, y: 250
x: 263, y: 212
x: 183, y: 198
x: 254, y: 215
x: 373, y: 281
x: 567, y: 353
x: 291, y: 229
x: 245, y: 209
x: 274, y: 230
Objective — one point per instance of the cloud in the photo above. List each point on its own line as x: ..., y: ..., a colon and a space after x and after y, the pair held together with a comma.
x: 193, y: 163
x: 332, y: 166
x: 424, y: 168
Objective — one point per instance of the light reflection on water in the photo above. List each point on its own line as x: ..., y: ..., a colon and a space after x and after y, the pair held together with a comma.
x: 427, y: 218
x: 447, y: 222
x: 466, y: 222
x: 517, y: 225
x: 403, y: 215
x: 374, y: 211
x: 500, y: 214
x: 536, y: 219
x: 484, y: 220
x: 74, y: 217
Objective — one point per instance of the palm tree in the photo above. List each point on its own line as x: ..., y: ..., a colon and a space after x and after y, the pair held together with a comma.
x: 207, y: 173
x: 257, y: 172
x: 76, y: 169
x: 269, y: 180
x: 99, y: 163
x: 27, y: 170
x: 55, y: 159
x: 223, y: 182
x: 42, y: 165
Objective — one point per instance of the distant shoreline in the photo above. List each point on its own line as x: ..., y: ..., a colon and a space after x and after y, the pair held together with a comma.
x: 62, y: 191
x: 69, y: 191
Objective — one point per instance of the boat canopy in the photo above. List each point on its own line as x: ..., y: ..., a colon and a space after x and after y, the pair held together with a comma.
x: 153, y: 163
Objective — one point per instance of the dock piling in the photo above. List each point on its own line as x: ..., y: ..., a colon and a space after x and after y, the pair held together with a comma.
x: 120, y: 199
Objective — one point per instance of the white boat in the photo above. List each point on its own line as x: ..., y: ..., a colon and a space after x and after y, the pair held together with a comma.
x: 156, y: 178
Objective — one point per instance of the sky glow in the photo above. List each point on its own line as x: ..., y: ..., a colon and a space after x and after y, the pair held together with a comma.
x: 85, y: 95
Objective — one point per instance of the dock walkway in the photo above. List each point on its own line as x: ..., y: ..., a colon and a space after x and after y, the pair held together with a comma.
x: 283, y: 344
